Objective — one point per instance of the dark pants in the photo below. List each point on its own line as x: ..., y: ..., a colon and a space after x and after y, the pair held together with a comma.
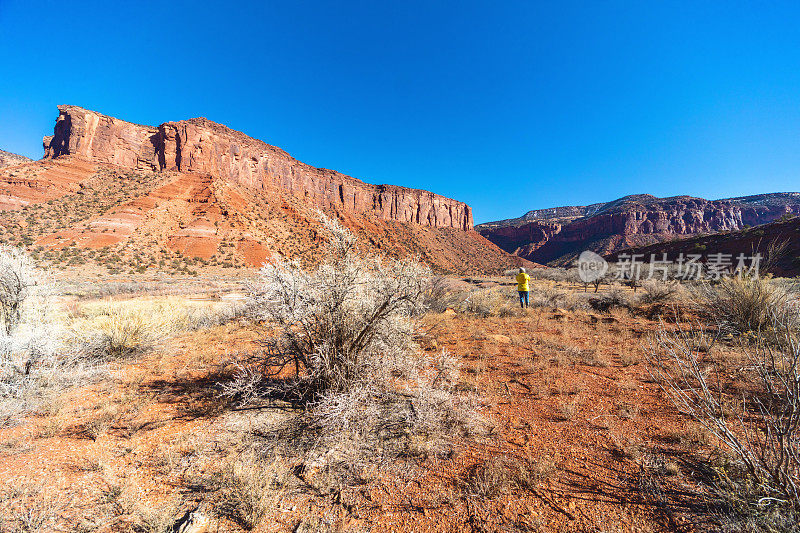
x: 523, y: 298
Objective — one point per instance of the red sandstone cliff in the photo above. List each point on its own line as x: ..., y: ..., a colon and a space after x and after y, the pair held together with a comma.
x: 632, y: 221
x: 204, y: 147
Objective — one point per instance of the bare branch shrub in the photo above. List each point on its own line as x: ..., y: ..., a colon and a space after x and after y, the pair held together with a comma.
x: 338, y: 341
x: 338, y: 323
x: 440, y: 296
x: 556, y: 274
x: 37, y: 354
x: 757, y: 423
x: 17, y: 278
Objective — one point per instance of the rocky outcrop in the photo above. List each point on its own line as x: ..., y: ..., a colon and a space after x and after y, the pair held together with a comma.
x: 634, y: 221
x: 201, y: 146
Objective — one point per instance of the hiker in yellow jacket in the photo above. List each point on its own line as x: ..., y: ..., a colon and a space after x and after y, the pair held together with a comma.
x: 522, y: 287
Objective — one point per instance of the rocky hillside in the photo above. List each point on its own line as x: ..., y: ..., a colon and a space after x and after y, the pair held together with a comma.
x: 7, y: 159
x: 193, y: 194
x: 557, y: 235
x: 747, y: 241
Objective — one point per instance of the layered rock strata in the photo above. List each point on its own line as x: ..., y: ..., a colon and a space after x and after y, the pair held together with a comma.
x: 202, y: 146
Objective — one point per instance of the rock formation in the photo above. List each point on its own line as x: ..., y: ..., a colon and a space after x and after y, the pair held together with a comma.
x: 201, y: 146
x: 556, y: 235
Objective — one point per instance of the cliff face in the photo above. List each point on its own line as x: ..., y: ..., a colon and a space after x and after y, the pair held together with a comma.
x: 635, y: 221
x: 204, y: 147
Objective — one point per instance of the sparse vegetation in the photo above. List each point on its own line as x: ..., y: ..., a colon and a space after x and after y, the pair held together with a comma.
x: 755, y: 414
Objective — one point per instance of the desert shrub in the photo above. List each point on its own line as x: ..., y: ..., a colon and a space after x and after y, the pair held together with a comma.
x: 37, y: 355
x: 548, y: 297
x: 17, y: 279
x: 339, y: 322
x: 439, y: 296
x: 656, y: 292
x: 489, y: 302
x: 557, y: 274
x: 613, y: 298
x: 759, y: 428
x: 748, y: 304
x: 338, y: 341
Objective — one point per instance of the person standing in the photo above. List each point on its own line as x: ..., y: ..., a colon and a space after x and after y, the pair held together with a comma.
x: 522, y: 287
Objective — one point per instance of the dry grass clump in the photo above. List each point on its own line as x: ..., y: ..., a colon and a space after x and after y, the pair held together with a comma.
x: 748, y: 304
x: 159, y: 519
x: 249, y: 487
x: 502, y: 474
x: 119, y: 329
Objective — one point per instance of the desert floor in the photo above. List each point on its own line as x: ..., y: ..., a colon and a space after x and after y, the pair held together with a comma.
x: 580, y: 438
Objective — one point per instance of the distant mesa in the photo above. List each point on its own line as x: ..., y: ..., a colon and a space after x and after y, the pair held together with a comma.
x: 557, y: 235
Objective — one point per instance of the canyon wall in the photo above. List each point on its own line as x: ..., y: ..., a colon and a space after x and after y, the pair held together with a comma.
x: 636, y: 221
x: 201, y: 146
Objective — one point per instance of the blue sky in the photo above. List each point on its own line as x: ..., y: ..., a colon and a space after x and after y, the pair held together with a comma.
x: 508, y: 106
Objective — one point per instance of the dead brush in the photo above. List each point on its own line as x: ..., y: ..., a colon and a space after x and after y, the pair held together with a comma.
x: 502, y: 475
x: 250, y: 487
x: 159, y: 519
x: 338, y: 342
x: 758, y: 428
x: 658, y: 292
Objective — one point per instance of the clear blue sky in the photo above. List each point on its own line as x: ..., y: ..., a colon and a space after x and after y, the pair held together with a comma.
x: 508, y: 106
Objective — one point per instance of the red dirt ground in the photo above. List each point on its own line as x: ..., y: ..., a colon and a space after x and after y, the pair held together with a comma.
x: 566, y: 392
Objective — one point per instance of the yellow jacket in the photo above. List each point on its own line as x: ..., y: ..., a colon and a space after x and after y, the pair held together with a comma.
x: 522, y: 282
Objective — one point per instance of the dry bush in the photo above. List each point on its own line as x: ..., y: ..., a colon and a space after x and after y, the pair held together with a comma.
x: 159, y: 519
x: 557, y: 274
x: 549, y: 297
x: 657, y: 292
x: 614, y: 298
x: 18, y: 277
x: 338, y: 341
x: 758, y: 427
x: 748, y: 304
x: 37, y: 355
x: 439, y: 296
x: 31, y: 508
